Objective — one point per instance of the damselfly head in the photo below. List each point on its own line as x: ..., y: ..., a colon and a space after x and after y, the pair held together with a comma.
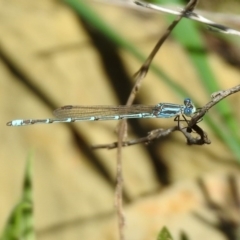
x: 187, y: 102
x: 188, y: 111
x: 189, y: 107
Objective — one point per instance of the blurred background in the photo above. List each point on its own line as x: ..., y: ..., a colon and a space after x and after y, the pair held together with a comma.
x: 54, y: 53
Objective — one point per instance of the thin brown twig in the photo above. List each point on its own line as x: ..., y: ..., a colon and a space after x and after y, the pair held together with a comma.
x: 201, y: 139
x: 138, y: 77
x: 119, y: 187
x: 216, y: 98
x: 157, y: 133
x: 190, y: 15
x: 142, y: 72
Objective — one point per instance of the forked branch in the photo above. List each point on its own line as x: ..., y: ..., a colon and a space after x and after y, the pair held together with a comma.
x: 189, y: 131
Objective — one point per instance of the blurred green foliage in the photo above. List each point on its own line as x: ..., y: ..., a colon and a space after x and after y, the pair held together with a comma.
x: 164, y: 234
x: 20, y: 223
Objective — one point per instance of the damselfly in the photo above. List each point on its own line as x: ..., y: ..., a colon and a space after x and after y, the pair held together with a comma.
x: 70, y: 113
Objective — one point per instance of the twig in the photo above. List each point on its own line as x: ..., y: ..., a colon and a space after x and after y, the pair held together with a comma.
x: 157, y: 133
x: 138, y: 77
x: 216, y: 97
x: 142, y: 72
x: 201, y: 139
x: 119, y: 187
x: 191, y: 15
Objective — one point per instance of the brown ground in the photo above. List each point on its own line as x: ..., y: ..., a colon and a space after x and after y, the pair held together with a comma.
x: 48, y: 60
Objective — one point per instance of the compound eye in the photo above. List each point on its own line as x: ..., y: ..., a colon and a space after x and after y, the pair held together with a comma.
x: 187, y: 101
x: 187, y: 111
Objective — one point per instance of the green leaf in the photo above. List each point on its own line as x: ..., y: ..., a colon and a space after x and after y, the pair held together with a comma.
x: 20, y: 222
x: 164, y: 234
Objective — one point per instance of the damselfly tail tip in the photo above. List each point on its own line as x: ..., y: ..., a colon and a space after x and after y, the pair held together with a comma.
x: 15, y: 123
x: 9, y: 123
